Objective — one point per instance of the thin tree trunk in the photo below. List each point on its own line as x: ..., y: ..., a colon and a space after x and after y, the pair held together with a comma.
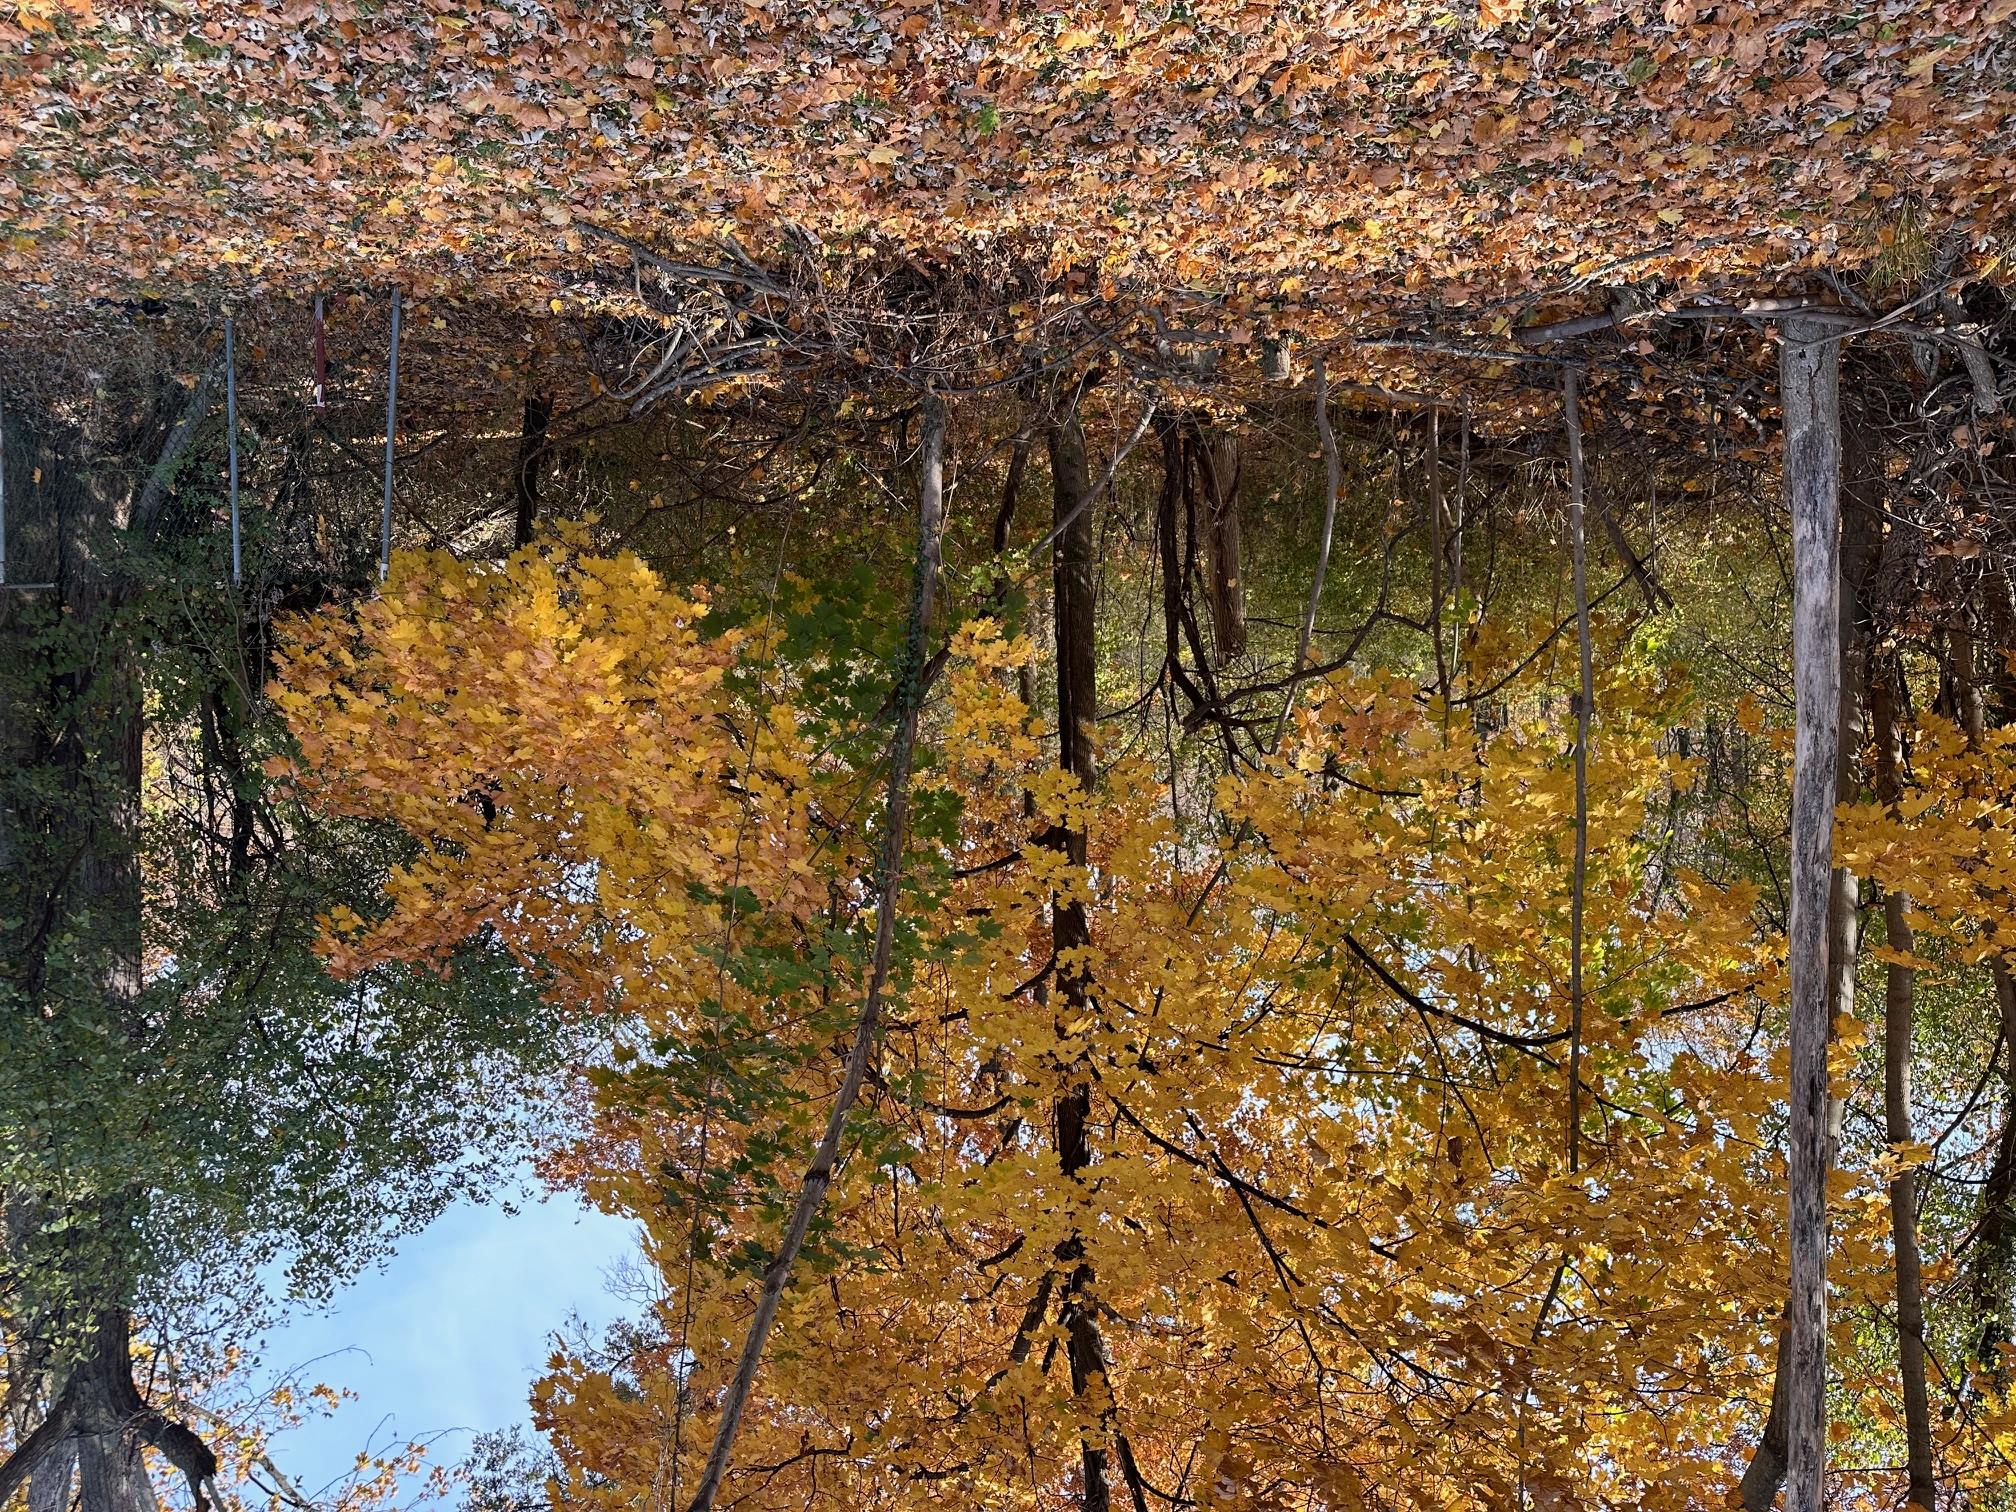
x: 1437, y: 552
x: 1456, y: 548
x: 1898, y: 994
x: 1219, y: 456
x: 537, y: 415
x: 1766, y: 1471
x: 867, y: 1030
x: 1809, y: 388
x: 1584, y: 700
x: 1861, y: 549
x: 1656, y: 597
x: 1072, y: 554
x: 1994, y: 1265
x: 1077, y: 708
x: 1179, y: 624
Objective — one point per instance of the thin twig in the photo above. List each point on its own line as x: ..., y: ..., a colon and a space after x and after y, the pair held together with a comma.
x: 867, y: 1031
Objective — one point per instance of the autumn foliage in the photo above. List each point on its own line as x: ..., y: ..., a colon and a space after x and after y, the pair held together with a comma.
x: 1340, y: 1254
x: 1321, y: 1083
x: 1331, y: 161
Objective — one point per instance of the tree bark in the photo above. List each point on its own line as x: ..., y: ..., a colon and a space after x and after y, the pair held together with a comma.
x: 1861, y: 551
x: 98, y: 1423
x: 1766, y: 1471
x: 1992, y: 1269
x: 1809, y: 380
x: 867, y: 1030
x: 1994, y: 1266
x: 1218, y: 458
x: 1584, y: 699
x: 1175, y: 510
x: 1070, y: 932
x: 49, y: 1483
x: 537, y: 415
x: 1860, y: 535
x: 71, y: 840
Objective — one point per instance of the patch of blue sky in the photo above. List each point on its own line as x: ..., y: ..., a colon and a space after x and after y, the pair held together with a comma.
x: 444, y: 1340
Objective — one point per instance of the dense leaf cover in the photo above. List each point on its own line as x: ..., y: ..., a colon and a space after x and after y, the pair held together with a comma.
x: 1338, y: 1252
x: 1348, y: 158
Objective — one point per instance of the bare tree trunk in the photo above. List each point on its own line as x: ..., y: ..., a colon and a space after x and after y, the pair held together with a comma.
x: 1809, y: 380
x: 538, y: 414
x: 1585, y: 697
x: 112, y: 1424
x: 1994, y: 1266
x: 1861, y: 551
x: 1176, y: 545
x: 1439, y: 561
x: 1218, y: 454
x: 1766, y: 1471
x: 1077, y: 708
x: 49, y: 1483
x: 867, y: 1030
x: 1072, y: 554
x: 1898, y: 995
x: 1860, y: 547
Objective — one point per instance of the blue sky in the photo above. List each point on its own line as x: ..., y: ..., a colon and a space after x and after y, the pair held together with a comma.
x: 449, y: 1333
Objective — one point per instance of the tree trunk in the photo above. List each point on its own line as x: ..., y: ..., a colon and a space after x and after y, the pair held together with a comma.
x: 1861, y: 544
x: 1071, y: 568
x: 1766, y: 1471
x: 1585, y: 697
x: 1994, y: 1266
x: 1809, y: 379
x: 1861, y: 552
x: 1992, y: 1270
x: 99, y: 1423
x: 1077, y: 708
x: 1217, y: 458
x: 72, y: 899
x: 1898, y: 995
x: 538, y: 413
x: 49, y: 1484
x: 1175, y: 508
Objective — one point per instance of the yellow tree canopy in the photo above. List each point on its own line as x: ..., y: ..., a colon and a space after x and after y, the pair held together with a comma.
x: 1338, y: 1250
